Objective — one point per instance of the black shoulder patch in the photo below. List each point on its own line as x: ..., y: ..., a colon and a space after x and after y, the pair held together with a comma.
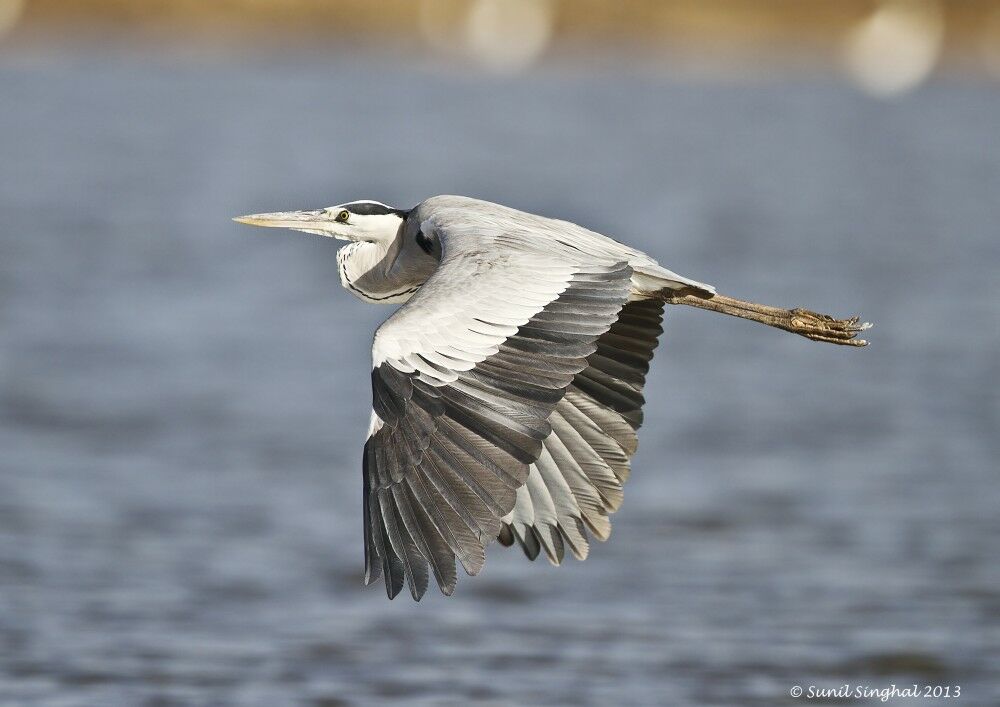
x: 425, y: 243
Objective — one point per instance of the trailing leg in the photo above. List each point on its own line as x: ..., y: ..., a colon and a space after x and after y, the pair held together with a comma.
x: 818, y: 327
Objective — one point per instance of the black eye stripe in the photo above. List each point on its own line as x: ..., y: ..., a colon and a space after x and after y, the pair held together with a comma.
x: 370, y: 208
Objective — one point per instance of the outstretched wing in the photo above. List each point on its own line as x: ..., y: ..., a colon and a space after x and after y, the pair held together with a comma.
x: 577, y: 480
x: 466, y: 377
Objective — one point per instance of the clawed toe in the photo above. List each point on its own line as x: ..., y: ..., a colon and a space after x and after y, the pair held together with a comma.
x: 823, y: 327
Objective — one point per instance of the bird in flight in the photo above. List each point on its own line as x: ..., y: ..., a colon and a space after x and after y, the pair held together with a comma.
x: 507, y: 390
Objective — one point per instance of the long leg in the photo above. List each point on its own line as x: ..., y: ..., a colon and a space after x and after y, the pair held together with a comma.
x: 818, y: 327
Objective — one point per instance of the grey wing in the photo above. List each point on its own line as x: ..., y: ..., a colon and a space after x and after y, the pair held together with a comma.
x: 577, y: 480
x: 466, y: 378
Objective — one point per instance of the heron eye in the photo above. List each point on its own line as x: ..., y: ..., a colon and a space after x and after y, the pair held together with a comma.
x: 343, y: 216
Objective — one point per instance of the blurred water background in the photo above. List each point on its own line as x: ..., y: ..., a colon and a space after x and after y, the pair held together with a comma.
x: 183, y: 401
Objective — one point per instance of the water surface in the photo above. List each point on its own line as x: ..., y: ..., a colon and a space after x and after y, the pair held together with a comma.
x: 183, y: 400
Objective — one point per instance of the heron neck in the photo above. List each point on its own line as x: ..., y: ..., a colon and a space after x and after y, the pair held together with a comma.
x: 366, y: 272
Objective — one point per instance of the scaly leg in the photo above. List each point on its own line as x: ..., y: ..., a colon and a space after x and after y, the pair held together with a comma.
x: 818, y: 327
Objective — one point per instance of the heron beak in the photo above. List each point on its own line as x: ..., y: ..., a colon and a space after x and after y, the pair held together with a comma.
x: 299, y: 220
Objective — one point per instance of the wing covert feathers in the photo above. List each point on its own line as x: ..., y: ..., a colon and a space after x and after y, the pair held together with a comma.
x: 479, y: 440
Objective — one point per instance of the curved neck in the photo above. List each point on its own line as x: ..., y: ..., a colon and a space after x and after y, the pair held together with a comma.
x: 366, y: 272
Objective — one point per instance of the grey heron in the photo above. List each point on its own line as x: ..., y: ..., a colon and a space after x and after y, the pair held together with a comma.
x: 507, y: 390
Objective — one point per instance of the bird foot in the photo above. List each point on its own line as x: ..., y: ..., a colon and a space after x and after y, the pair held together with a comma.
x: 823, y: 327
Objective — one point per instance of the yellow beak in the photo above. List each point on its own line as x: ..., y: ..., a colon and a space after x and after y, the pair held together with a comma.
x: 286, y: 219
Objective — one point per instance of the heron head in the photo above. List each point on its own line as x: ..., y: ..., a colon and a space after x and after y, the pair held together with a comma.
x: 364, y: 221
